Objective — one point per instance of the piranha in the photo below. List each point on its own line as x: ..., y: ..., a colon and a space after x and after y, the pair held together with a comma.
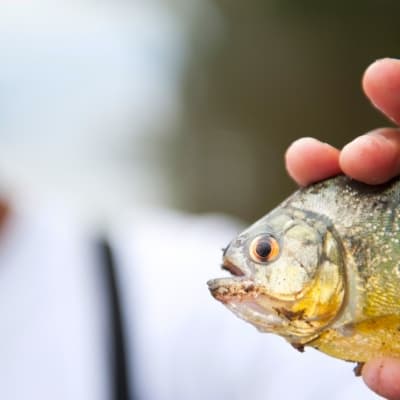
x: 322, y: 270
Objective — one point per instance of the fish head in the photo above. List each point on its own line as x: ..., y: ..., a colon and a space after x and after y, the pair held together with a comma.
x: 287, y: 274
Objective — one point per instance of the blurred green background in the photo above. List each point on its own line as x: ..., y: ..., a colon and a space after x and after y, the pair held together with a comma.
x: 271, y: 72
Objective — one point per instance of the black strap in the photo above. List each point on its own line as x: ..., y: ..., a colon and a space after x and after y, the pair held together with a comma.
x: 118, y: 355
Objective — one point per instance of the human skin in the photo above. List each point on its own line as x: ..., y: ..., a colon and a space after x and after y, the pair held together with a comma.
x: 372, y: 158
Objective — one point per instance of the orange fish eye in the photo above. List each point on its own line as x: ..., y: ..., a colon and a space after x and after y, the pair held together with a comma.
x: 263, y: 249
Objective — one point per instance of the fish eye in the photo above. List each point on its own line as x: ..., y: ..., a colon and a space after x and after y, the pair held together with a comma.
x: 263, y: 249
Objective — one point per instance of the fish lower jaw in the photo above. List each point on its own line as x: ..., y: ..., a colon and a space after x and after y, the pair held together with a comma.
x: 274, y: 320
x: 252, y: 312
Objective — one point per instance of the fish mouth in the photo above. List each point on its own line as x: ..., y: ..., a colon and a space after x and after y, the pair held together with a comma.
x: 247, y: 301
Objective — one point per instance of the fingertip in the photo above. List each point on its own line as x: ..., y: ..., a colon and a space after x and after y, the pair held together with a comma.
x: 373, y: 158
x: 382, y: 375
x: 380, y: 72
x: 308, y: 160
x: 381, y: 84
x: 295, y: 160
x: 374, y: 70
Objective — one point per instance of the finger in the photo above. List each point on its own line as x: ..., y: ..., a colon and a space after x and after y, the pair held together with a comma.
x: 383, y: 377
x: 309, y: 160
x: 372, y: 158
x: 381, y: 83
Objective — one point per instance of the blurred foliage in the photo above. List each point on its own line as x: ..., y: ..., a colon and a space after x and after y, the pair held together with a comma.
x: 342, y: 8
x: 276, y: 71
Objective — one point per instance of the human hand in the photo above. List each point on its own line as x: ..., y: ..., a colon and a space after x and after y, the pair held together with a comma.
x: 372, y: 158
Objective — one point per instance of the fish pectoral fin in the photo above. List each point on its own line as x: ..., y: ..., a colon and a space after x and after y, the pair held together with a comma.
x: 358, y: 368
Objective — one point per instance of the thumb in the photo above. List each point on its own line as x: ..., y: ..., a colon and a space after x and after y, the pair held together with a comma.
x: 382, y: 375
